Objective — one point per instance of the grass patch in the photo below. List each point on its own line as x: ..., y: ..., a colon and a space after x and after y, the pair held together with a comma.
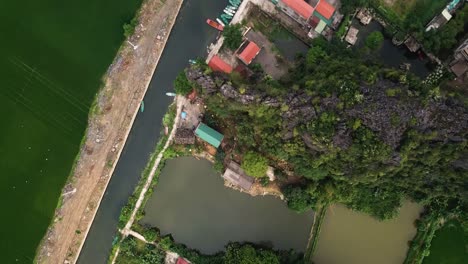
x: 449, y: 246
x: 315, y: 233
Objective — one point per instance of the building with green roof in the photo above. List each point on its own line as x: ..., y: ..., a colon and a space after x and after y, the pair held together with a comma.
x: 209, y: 135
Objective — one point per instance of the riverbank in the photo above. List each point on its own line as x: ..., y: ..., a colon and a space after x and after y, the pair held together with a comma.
x: 109, y: 124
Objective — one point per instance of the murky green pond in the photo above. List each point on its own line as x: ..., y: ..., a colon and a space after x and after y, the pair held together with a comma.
x: 191, y: 203
x: 53, y: 54
x: 349, y: 237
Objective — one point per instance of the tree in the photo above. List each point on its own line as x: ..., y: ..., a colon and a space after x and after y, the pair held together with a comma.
x: 298, y: 199
x: 374, y: 40
x: 236, y: 253
x: 232, y: 36
x: 129, y: 28
x: 254, y: 164
x: 182, y: 85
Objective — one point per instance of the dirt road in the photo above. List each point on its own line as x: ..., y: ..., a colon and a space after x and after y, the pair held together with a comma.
x: 109, y: 125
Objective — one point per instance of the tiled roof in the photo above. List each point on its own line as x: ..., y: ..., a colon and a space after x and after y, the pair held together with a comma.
x: 249, y: 52
x: 217, y: 64
x: 325, y: 9
x: 300, y: 6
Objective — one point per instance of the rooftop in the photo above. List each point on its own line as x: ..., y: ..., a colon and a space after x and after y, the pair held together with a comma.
x: 325, y: 9
x: 301, y: 7
x: 248, y: 52
x: 236, y: 175
x: 209, y: 135
x: 351, y: 37
x: 218, y: 64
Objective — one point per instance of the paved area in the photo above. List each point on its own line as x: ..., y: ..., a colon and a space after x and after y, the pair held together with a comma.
x: 269, y: 56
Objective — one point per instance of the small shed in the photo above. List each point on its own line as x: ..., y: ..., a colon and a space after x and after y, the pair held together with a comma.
x: 218, y: 64
x: 351, y: 37
x: 236, y: 175
x: 209, y: 135
x: 184, y: 136
x: 412, y: 44
x: 248, y: 51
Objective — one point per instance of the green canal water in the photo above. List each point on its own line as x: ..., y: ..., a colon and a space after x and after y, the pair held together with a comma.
x: 53, y: 54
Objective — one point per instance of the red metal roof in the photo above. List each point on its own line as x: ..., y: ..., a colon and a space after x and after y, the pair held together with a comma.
x: 249, y: 53
x: 325, y: 9
x: 181, y: 260
x: 217, y: 64
x: 300, y: 7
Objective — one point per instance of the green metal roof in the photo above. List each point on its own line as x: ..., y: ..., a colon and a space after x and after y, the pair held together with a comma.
x: 209, y: 135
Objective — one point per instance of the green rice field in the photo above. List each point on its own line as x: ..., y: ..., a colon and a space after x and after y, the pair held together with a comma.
x: 449, y: 246
x: 53, y: 54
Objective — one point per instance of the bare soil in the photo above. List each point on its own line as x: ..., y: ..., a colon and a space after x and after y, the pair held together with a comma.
x: 109, y: 125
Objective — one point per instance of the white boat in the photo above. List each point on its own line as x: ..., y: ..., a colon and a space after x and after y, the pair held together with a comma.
x: 220, y: 22
x: 230, y: 13
x: 233, y: 8
x: 171, y: 94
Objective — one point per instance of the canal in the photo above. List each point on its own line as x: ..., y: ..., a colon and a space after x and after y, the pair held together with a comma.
x: 189, y: 39
x: 354, y: 238
x: 191, y: 203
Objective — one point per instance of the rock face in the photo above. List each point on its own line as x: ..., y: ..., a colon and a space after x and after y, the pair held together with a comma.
x: 386, y: 112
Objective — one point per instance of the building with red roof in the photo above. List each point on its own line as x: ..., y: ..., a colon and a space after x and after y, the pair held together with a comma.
x: 218, y: 64
x: 248, y: 51
x: 325, y: 9
x: 299, y: 10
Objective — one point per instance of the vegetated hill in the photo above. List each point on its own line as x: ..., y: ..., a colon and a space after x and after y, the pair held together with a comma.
x: 354, y: 132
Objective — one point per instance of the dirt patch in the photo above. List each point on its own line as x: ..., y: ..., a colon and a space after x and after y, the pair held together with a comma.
x: 109, y: 124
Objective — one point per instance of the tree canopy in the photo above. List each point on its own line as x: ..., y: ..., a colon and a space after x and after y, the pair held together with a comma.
x: 254, y: 164
x: 232, y: 36
x: 374, y: 40
x: 181, y: 85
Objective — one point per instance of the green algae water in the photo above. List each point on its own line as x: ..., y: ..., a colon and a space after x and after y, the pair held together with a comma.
x: 53, y: 54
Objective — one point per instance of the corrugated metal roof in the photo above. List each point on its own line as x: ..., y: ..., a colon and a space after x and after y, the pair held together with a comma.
x: 209, y: 135
x: 217, y: 64
x: 237, y: 176
x: 249, y: 52
x: 325, y: 9
x: 300, y: 7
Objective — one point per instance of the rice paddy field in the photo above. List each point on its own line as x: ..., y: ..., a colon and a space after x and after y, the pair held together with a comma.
x: 449, y: 246
x: 53, y: 54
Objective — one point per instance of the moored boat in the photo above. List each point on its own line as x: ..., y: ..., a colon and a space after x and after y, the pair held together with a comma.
x: 220, y: 22
x: 142, y: 106
x: 171, y: 94
x: 215, y: 24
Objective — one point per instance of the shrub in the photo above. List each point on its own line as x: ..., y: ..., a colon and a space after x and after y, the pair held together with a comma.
x: 374, y: 40
x: 182, y: 85
x: 232, y: 36
x: 254, y: 164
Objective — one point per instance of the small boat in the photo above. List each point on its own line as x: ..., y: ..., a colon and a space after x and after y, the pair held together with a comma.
x: 215, y: 24
x: 226, y: 16
x: 228, y: 12
x: 170, y: 94
x: 220, y: 22
x: 232, y: 8
x: 142, y: 106
x: 234, y: 3
x: 192, y: 61
x: 225, y: 19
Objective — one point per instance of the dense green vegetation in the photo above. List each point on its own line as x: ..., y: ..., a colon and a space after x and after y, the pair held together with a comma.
x: 134, y: 251
x: 254, y: 164
x: 374, y: 40
x: 352, y: 130
x: 446, y: 37
x: 182, y: 85
x: 139, y: 252
x: 232, y: 36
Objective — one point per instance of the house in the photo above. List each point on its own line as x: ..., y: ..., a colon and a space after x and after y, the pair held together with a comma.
x: 209, y: 135
x: 184, y: 136
x: 236, y: 175
x: 247, y: 51
x: 412, y: 44
x: 298, y: 10
x: 459, y: 65
x: 351, y: 37
x: 317, y: 17
x: 218, y: 64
